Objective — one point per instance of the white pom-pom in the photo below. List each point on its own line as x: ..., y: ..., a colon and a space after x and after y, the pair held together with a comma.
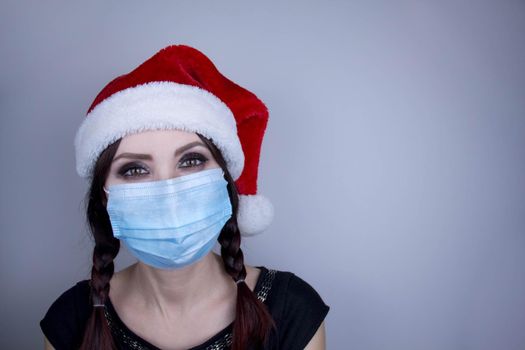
x: 254, y: 215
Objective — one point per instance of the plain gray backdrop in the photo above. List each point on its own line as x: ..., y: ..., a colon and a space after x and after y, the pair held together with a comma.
x: 394, y: 154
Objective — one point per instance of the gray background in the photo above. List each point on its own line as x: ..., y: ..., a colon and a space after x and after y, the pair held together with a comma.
x: 394, y: 155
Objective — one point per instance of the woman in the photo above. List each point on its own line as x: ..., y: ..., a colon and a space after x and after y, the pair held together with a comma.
x: 171, y: 150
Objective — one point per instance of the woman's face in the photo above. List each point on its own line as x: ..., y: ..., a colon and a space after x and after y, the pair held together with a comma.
x: 158, y: 155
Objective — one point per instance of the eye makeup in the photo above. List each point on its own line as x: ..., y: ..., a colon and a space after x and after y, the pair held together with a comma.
x: 132, y: 166
x: 192, y: 159
x: 188, y: 162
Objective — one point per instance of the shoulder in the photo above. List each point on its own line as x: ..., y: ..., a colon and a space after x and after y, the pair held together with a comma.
x: 297, y: 307
x: 64, y: 321
x: 300, y: 297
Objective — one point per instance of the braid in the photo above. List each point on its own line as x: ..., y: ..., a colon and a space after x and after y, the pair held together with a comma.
x: 97, y: 334
x: 231, y: 253
x: 102, y: 271
x: 253, y: 321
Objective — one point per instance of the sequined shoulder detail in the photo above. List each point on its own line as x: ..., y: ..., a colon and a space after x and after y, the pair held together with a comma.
x: 220, y: 344
x: 266, y: 285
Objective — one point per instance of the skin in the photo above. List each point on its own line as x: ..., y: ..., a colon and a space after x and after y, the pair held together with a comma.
x: 180, y: 308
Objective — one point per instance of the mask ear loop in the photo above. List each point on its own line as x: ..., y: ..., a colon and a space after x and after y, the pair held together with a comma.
x: 104, y: 188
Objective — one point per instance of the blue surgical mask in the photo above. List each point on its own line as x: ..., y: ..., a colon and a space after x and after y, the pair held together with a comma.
x: 170, y: 223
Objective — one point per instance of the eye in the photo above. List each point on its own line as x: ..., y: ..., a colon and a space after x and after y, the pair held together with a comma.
x: 132, y: 170
x: 190, y: 160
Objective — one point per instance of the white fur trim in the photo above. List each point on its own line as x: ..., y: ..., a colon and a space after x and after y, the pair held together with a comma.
x: 254, y: 215
x: 158, y: 105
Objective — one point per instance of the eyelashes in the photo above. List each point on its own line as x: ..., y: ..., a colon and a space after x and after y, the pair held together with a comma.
x: 132, y: 169
x: 188, y: 161
x: 192, y: 159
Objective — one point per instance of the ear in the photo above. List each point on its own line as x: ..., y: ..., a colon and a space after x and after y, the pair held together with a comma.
x: 104, y: 199
x: 104, y: 196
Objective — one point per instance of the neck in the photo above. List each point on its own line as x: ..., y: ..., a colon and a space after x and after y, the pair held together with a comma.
x: 185, y: 288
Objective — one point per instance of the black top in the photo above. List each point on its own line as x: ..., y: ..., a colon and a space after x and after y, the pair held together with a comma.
x: 295, y: 306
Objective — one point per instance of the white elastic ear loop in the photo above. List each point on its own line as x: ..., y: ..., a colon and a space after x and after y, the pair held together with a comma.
x: 104, y: 188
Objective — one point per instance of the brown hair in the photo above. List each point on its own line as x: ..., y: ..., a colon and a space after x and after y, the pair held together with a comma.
x: 253, y: 322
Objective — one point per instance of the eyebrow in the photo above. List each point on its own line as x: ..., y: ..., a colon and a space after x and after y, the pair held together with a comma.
x: 148, y: 157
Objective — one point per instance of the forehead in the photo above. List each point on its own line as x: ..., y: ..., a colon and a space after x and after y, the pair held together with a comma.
x: 152, y: 140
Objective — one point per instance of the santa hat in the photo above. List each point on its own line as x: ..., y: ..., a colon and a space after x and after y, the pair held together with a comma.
x: 180, y: 88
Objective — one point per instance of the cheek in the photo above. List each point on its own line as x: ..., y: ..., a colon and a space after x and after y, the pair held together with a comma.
x: 212, y: 164
x: 112, y: 177
x: 109, y: 181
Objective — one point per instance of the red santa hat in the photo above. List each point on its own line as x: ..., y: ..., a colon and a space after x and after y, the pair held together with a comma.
x: 180, y: 88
